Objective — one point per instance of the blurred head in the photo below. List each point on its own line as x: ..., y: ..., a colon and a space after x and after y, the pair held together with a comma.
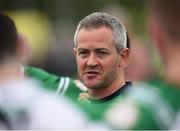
x: 164, y: 26
x: 100, y: 48
x: 140, y: 67
x: 13, y: 46
x: 8, y: 38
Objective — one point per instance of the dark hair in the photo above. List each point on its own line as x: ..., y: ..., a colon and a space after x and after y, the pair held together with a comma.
x: 128, y: 45
x: 8, y: 37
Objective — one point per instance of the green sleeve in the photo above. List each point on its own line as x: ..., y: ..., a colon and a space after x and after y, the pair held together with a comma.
x: 61, y: 85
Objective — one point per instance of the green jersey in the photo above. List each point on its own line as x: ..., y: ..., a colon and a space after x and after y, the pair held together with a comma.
x: 61, y: 85
x: 152, y: 105
x: 97, y: 108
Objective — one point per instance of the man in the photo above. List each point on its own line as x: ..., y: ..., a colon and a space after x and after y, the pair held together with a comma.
x: 156, y: 105
x: 101, y: 64
x: 23, y: 103
x: 102, y: 56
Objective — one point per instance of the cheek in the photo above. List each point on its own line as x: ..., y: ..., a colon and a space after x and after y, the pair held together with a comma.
x: 80, y: 64
x: 110, y: 63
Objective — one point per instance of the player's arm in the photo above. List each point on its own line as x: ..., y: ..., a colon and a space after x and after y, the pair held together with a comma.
x: 61, y: 85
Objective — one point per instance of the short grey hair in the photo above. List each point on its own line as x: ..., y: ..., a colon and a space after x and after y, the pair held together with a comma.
x: 101, y: 19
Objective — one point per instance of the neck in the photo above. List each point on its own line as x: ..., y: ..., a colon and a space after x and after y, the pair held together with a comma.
x: 107, y: 91
x: 10, y: 71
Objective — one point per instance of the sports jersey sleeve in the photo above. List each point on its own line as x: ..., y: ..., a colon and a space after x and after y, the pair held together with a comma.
x: 61, y: 85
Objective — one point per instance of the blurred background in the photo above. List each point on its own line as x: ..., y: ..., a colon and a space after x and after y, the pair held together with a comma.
x: 48, y: 27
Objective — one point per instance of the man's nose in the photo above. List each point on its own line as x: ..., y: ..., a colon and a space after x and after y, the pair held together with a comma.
x: 92, y: 60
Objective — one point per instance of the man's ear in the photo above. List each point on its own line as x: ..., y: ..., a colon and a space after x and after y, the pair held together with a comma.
x: 124, y: 57
x: 23, y: 52
x: 75, y: 51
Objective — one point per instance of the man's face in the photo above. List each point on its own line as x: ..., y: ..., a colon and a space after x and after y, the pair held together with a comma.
x: 97, y: 58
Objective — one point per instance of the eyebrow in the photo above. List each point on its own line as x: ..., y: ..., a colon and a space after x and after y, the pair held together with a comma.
x: 83, y: 49
x: 102, y: 49
x: 95, y: 50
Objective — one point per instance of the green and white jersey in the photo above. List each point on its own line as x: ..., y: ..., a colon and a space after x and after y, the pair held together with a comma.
x: 152, y: 105
x: 61, y: 85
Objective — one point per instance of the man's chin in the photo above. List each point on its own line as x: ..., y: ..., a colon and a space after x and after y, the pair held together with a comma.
x: 92, y: 85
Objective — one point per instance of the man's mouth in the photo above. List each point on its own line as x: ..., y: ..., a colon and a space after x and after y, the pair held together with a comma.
x: 92, y: 73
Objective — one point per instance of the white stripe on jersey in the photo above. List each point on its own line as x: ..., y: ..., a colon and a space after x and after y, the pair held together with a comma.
x: 66, y: 85
x: 61, y: 84
x: 162, y: 112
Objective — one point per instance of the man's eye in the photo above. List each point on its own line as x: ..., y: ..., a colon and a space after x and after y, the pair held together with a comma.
x: 102, y: 53
x: 83, y: 54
